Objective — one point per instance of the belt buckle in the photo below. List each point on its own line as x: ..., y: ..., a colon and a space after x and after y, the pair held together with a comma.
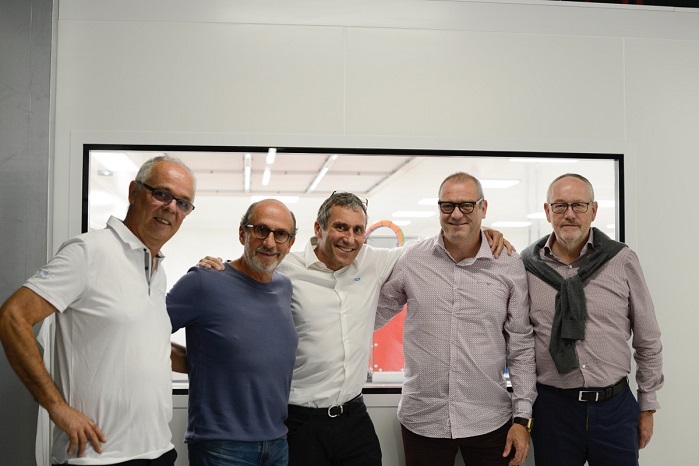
x: 582, y: 392
x: 330, y: 410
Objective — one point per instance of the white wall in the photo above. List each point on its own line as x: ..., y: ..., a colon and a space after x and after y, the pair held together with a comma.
x: 409, y: 73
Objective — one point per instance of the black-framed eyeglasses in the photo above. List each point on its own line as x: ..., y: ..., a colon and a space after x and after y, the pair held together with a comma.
x: 562, y: 207
x: 465, y: 207
x: 364, y: 200
x: 165, y: 198
x: 263, y: 231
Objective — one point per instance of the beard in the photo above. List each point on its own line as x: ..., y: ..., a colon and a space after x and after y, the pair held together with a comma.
x: 257, y: 265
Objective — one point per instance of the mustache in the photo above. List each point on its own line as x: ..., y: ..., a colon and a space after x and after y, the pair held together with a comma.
x: 265, y: 250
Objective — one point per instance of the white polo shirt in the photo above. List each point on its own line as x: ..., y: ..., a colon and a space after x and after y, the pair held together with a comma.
x: 334, y: 314
x: 112, y: 342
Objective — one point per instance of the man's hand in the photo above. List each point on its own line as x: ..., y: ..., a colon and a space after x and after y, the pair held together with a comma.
x: 210, y: 262
x: 497, y: 240
x: 18, y: 315
x: 80, y: 429
x: 645, y: 428
x: 517, y: 439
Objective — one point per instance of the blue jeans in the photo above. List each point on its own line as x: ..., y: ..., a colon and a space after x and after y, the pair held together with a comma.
x: 235, y: 453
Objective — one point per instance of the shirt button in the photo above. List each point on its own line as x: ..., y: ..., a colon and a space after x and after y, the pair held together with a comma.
x: 584, y: 366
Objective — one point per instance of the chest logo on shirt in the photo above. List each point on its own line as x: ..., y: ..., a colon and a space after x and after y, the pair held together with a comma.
x: 357, y: 279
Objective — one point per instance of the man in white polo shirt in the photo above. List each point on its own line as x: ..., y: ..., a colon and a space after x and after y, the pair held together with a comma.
x: 111, y: 398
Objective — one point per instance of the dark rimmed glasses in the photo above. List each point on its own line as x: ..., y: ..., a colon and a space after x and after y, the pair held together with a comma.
x: 263, y: 231
x: 465, y: 207
x: 562, y: 207
x: 164, y: 197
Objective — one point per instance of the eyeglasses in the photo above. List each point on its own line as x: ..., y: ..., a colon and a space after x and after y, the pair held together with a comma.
x: 165, y: 198
x: 464, y: 207
x: 364, y: 200
x: 562, y: 207
x: 263, y: 231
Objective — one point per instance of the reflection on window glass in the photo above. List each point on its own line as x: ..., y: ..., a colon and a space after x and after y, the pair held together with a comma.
x: 400, y: 185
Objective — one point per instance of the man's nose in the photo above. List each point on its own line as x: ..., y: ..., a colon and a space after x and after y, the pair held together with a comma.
x: 269, y: 242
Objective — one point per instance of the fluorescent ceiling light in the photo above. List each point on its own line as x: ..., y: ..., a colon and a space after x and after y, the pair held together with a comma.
x: 247, y: 172
x: 537, y: 215
x: 266, y: 176
x: 114, y: 161
x: 499, y: 184
x: 413, y: 213
x: 428, y: 201
x: 284, y: 199
x: 511, y: 224
x: 326, y: 166
x: 542, y: 160
x: 401, y: 223
x: 271, y: 154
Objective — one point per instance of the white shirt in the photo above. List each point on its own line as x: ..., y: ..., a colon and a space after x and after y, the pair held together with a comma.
x: 334, y: 314
x: 112, y: 342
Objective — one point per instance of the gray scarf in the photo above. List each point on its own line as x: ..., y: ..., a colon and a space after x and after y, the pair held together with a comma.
x: 571, y: 309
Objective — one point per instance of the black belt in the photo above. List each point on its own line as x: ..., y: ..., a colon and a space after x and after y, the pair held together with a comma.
x: 354, y: 405
x: 588, y: 393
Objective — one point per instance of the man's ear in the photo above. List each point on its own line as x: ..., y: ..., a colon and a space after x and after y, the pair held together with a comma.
x: 133, y: 187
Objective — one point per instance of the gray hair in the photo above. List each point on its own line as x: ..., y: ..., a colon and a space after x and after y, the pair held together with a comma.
x: 146, y: 170
x: 572, y: 175
x: 341, y: 199
x: 462, y: 177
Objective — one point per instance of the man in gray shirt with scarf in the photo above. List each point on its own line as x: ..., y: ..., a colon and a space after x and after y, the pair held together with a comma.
x: 588, y: 298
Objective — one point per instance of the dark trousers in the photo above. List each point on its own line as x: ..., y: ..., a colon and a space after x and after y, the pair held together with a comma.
x: 480, y: 450
x: 167, y: 459
x: 568, y: 432
x: 315, y: 439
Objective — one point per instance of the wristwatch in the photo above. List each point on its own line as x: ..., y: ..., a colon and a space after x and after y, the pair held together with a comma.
x: 523, y: 421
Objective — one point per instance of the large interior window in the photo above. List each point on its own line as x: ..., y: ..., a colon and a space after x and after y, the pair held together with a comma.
x: 401, y: 187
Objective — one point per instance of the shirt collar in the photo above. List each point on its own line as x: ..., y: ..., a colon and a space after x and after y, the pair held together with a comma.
x: 483, y: 253
x: 127, y: 236
x: 309, y: 253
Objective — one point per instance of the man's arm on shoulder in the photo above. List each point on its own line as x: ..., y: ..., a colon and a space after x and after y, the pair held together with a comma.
x: 18, y: 315
x: 497, y: 240
x: 211, y: 262
x: 392, y: 298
